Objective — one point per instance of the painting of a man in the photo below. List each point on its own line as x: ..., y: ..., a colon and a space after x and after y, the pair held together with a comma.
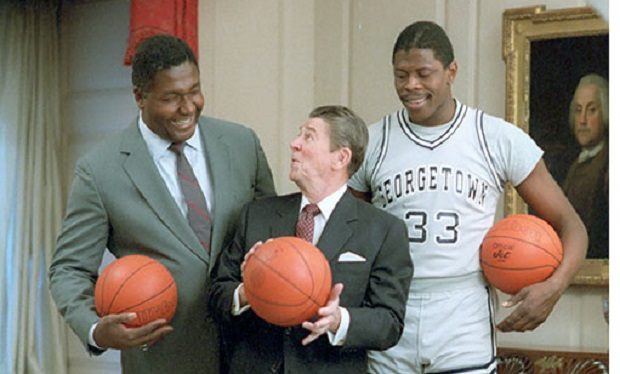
x: 587, y: 181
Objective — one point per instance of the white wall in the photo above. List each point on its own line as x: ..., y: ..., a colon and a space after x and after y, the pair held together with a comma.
x: 267, y: 63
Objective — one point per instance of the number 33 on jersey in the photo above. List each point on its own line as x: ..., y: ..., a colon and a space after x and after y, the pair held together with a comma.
x: 446, y: 193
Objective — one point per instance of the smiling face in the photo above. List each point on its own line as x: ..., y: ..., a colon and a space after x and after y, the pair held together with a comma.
x: 172, y: 105
x: 423, y: 86
x: 588, y: 116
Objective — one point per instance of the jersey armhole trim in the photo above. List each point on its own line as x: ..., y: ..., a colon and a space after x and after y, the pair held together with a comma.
x: 484, y: 147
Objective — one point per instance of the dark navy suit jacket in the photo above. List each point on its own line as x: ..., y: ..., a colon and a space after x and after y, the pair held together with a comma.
x: 375, y: 290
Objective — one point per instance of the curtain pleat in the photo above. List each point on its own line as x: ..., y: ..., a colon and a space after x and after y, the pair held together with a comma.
x: 33, y: 338
x: 152, y: 17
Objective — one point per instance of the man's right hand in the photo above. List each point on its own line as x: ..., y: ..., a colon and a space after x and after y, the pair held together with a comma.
x: 243, y: 301
x: 111, y: 332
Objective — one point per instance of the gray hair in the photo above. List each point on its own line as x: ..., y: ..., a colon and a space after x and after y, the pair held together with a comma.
x: 346, y: 130
x: 603, y: 97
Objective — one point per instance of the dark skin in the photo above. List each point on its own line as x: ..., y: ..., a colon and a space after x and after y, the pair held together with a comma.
x: 112, y: 333
x: 171, y: 109
x: 535, y: 303
x: 424, y: 87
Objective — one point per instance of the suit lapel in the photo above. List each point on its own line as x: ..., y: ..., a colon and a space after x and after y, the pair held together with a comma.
x: 143, y: 173
x: 286, y: 216
x: 218, y: 166
x: 337, y: 231
x: 339, y: 228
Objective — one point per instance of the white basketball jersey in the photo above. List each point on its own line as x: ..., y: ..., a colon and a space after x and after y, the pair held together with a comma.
x: 444, y: 182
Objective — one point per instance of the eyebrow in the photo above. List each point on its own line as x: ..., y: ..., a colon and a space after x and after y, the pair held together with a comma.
x: 587, y: 103
x: 177, y: 90
x: 307, y: 128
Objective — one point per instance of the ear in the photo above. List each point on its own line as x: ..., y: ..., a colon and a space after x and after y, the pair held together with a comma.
x: 452, y: 70
x: 343, y: 160
x: 139, y: 96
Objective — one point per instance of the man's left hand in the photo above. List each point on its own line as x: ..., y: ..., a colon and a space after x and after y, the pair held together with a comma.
x: 535, y: 303
x: 329, y: 317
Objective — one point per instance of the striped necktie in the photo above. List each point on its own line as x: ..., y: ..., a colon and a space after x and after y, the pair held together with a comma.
x: 197, y: 210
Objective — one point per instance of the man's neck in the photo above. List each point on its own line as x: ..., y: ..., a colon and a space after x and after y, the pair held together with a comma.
x: 598, y: 145
x: 316, y: 192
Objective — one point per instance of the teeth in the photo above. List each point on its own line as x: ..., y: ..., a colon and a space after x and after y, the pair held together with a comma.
x: 183, y: 122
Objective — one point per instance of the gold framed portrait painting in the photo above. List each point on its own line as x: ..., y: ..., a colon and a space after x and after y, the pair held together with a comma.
x: 547, y: 52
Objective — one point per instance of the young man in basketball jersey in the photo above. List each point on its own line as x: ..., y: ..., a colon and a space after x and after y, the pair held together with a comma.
x: 441, y: 166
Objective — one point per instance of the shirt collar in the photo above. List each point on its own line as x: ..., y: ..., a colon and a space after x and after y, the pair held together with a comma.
x: 158, y: 146
x: 328, y: 204
x: 587, y: 154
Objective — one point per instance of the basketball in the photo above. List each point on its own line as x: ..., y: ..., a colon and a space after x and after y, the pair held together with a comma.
x: 138, y: 284
x: 287, y: 280
x: 518, y: 251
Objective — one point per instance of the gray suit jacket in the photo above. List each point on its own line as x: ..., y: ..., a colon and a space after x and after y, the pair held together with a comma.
x: 375, y: 291
x: 118, y: 200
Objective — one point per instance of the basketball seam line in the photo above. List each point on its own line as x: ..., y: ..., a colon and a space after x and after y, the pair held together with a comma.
x: 541, y: 223
x: 517, y: 268
x: 310, y: 297
x: 171, y: 284
x: 120, y: 287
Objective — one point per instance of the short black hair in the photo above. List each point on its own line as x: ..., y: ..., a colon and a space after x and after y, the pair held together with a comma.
x: 425, y: 35
x: 158, y: 53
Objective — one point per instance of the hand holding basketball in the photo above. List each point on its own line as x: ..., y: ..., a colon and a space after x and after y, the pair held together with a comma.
x: 518, y: 251
x: 137, y: 284
x: 243, y: 300
x: 329, y: 317
x: 286, y: 281
x: 134, y: 292
x: 112, y: 332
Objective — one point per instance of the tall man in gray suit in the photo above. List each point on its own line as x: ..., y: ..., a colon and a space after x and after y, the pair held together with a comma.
x: 367, y: 250
x: 126, y: 197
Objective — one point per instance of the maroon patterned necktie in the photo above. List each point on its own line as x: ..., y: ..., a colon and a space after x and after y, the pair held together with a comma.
x: 305, y: 223
x: 197, y: 211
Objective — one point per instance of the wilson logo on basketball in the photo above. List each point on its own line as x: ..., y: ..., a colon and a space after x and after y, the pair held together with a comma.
x: 502, y: 255
x: 151, y: 314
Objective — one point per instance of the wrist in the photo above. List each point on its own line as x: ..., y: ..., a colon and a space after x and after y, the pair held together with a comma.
x: 243, y: 301
x: 92, y: 337
x: 335, y: 325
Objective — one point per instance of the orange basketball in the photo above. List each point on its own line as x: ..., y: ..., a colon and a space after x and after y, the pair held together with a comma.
x: 518, y: 251
x: 138, y: 284
x: 287, y: 280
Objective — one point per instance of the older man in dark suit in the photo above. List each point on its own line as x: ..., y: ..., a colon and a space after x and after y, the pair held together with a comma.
x: 367, y: 250
x: 127, y: 196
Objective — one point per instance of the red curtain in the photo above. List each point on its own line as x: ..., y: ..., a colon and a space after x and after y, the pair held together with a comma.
x: 152, y: 17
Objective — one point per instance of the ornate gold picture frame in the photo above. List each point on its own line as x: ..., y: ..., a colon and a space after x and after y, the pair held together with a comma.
x: 526, y: 31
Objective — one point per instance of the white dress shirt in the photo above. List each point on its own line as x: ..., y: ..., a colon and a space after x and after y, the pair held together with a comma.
x: 165, y: 160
